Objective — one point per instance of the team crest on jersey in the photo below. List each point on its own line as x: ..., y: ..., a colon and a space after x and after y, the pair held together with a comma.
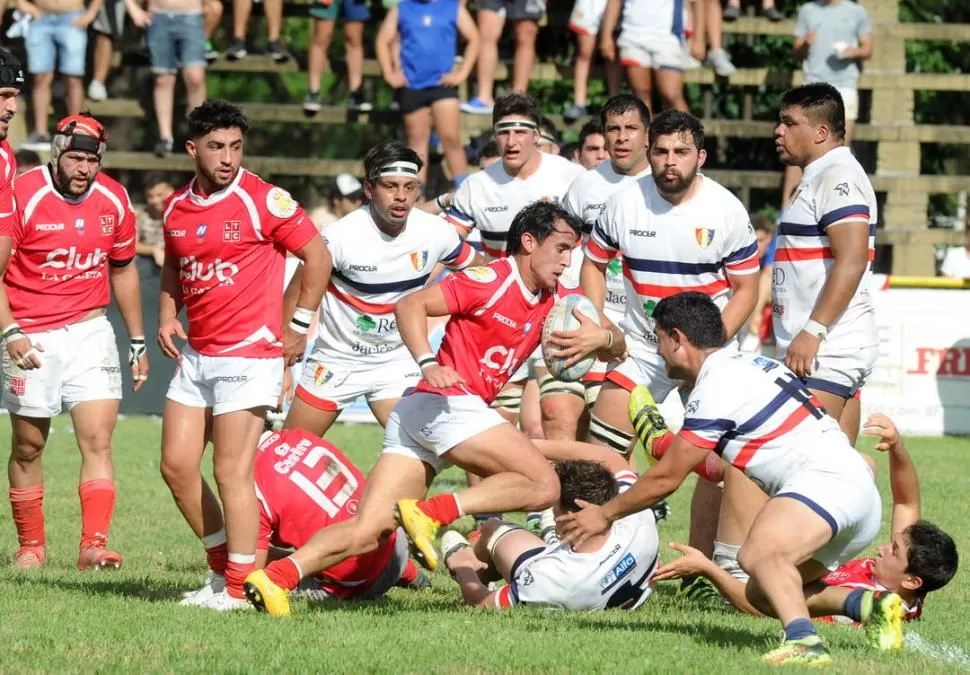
x: 527, y: 328
x: 230, y: 230
x: 200, y: 230
x: 704, y: 236
x: 280, y: 203
x: 107, y: 226
x: 321, y: 375
x: 483, y: 275
x: 419, y: 259
x: 365, y: 323
x: 18, y: 385
x: 79, y: 225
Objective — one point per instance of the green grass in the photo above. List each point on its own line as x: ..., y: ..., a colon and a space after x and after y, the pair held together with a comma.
x: 58, y: 619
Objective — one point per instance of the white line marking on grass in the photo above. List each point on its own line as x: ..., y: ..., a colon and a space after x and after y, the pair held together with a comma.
x: 945, y: 653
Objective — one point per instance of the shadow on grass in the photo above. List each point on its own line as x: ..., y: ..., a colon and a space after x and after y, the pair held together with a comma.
x: 101, y: 583
x: 714, y: 633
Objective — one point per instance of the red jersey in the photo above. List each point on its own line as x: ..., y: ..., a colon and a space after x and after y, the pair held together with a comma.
x: 231, y: 251
x: 858, y: 574
x: 495, y: 324
x: 8, y: 169
x: 58, y: 271
x: 305, y: 484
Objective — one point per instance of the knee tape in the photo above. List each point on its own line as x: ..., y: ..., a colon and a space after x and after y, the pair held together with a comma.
x: 498, y: 535
x: 609, y: 435
x: 510, y: 400
x: 550, y: 386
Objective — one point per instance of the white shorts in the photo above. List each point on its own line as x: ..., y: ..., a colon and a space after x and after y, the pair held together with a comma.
x: 426, y: 426
x: 850, y: 97
x: 587, y: 16
x: 651, y: 51
x: 643, y: 365
x: 332, y: 382
x: 846, y: 498
x: 79, y: 363
x: 842, y: 374
x: 226, y: 383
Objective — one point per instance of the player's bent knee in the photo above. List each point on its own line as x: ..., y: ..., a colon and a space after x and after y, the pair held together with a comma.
x: 545, y: 492
x: 26, y: 453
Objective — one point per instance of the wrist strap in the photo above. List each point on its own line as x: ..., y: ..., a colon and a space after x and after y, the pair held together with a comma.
x: 813, y: 327
x: 609, y: 344
x: 426, y: 360
x: 11, y: 329
x: 300, y: 323
x: 137, y: 340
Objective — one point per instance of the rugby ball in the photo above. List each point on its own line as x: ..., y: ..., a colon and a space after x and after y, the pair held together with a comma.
x: 561, y: 319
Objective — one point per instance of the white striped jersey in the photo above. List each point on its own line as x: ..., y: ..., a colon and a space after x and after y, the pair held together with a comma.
x: 372, y: 271
x: 488, y: 200
x: 618, y: 575
x: 669, y: 249
x: 754, y: 413
x: 653, y: 17
x: 834, y: 189
x: 586, y: 199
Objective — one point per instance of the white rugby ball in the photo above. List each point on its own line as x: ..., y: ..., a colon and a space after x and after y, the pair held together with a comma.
x: 561, y: 319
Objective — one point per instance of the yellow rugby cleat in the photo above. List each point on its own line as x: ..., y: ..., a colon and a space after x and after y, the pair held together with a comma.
x: 421, y: 530
x: 647, y: 420
x: 809, y: 651
x: 266, y: 596
x: 882, y: 616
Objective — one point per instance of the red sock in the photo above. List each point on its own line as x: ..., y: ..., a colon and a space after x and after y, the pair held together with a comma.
x: 285, y: 573
x: 238, y: 568
x: 443, y: 508
x: 410, y: 573
x: 97, y: 505
x: 661, y: 445
x: 710, y: 469
x: 216, y: 551
x: 27, y: 505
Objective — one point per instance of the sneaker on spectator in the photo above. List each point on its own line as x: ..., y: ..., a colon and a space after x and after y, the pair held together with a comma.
x: 279, y: 53
x: 236, y: 50
x: 211, y: 53
x: 312, y: 103
x: 37, y: 142
x: 476, y: 106
x: 690, y: 63
x: 773, y: 15
x: 573, y: 112
x: 357, y: 102
x: 97, y: 91
x: 731, y: 13
x: 164, y: 147
x: 720, y: 61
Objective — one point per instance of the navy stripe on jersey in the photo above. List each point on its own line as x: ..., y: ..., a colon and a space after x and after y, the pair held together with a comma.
x: 494, y: 236
x: 814, y: 506
x: 742, y: 253
x: 670, y: 266
x: 700, y: 424
x: 598, y: 231
x: 793, y: 230
x: 389, y: 287
x: 840, y: 213
x: 453, y: 256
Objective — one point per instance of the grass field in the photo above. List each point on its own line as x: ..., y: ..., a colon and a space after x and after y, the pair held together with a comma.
x: 60, y: 620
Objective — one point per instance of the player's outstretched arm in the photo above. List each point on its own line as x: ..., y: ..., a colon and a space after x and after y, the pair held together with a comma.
x: 692, y: 562
x: 902, y: 471
x: 169, y: 305
x: 126, y: 289
x: 412, y: 313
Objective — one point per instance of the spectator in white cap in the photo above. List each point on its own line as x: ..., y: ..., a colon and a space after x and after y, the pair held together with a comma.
x: 346, y: 195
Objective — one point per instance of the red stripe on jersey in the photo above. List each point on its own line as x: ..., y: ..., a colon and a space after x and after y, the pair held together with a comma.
x: 792, y: 421
x: 457, y: 223
x: 315, y: 401
x: 659, y: 291
x: 621, y: 380
x: 819, y: 253
x: 598, y: 251
x: 492, y: 251
x: 358, y: 304
x: 465, y: 257
x: 699, y: 441
x: 751, y: 263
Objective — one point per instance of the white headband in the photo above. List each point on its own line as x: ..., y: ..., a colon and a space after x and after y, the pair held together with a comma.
x: 407, y: 169
x: 508, y: 125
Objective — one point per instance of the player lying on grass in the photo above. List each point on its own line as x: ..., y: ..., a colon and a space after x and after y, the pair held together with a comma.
x: 496, y: 316
x: 918, y: 559
x: 824, y: 507
x: 305, y: 484
x: 613, y: 569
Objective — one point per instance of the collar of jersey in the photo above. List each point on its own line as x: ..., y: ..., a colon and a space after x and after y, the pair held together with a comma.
x: 215, y: 197
x: 45, y: 169
x: 825, y: 161
x: 530, y: 297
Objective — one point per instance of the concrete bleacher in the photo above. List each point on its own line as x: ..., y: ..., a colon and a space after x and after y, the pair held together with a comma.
x: 891, y: 125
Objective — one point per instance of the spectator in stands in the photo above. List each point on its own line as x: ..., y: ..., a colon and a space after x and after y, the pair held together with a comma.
x: 592, y: 144
x: 733, y: 11
x: 273, y: 9
x: 956, y: 261
x: 108, y: 28
x: 150, y: 241
x: 176, y: 40
x: 708, y: 35
x: 549, y: 139
x: 26, y: 160
x: 346, y: 195
x: 585, y: 22
x: 832, y: 37
x: 492, y: 14
x: 58, y: 33
x: 354, y: 14
x: 211, y: 16
x: 425, y: 75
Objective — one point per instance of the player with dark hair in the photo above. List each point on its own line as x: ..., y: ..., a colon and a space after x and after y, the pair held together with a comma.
x: 11, y: 82
x: 610, y: 570
x: 549, y: 139
x: 823, y: 507
x: 496, y: 313
x: 592, y: 145
x: 381, y: 252
x: 73, y: 238
x: 226, y: 237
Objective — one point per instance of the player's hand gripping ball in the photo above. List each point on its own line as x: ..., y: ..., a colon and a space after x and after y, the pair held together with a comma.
x: 561, y: 319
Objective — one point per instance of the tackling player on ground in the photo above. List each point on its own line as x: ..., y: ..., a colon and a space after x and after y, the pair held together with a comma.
x: 226, y: 237
x: 381, y: 252
x: 73, y: 243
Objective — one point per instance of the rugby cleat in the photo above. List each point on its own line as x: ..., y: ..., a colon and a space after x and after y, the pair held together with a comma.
x: 266, y: 596
x: 808, y: 651
x: 214, y: 583
x: 223, y: 602
x: 647, y: 420
x: 882, y: 617
x: 29, y: 557
x: 421, y: 529
x: 97, y: 558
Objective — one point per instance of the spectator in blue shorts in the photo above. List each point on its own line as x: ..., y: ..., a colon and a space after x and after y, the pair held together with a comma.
x: 354, y: 14
x: 425, y: 75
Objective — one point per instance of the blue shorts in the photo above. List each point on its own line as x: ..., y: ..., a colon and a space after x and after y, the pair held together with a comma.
x: 348, y: 10
x: 176, y: 40
x: 52, y: 38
